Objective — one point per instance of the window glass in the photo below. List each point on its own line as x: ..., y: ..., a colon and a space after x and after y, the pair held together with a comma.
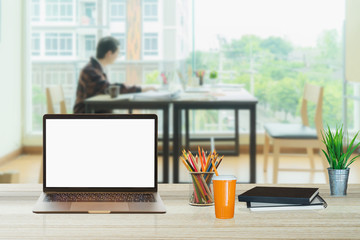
x: 35, y: 44
x: 121, y: 38
x: 270, y: 47
x: 117, y: 10
x: 59, y: 10
x: 150, y: 10
x: 35, y: 10
x: 151, y: 44
x: 89, y: 45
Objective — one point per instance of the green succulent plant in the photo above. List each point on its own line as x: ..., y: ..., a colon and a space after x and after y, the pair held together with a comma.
x: 335, y: 154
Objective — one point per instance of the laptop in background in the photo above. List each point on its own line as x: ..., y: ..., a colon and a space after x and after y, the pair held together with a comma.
x: 100, y: 164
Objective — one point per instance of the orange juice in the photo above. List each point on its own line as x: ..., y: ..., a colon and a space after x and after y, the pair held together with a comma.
x: 224, y: 196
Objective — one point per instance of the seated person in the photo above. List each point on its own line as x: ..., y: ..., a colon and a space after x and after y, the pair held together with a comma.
x: 93, y: 80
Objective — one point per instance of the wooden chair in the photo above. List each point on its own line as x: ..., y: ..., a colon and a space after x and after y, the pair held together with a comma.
x: 297, y: 135
x: 54, y: 96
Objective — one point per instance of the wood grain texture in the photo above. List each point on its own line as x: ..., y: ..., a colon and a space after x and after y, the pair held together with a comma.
x: 341, y: 220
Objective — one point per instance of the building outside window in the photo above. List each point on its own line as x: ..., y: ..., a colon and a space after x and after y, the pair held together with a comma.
x: 58, y: 44
x: 117, y: 76
x: 89, y: 13
x: 35, y: 44
x: 121, y: 38
x: 151, y: 47
x: 35, y: 10
x: 117, y: 10
x: 90, y: 42
x: 150, y: 10
x: 59, y: 10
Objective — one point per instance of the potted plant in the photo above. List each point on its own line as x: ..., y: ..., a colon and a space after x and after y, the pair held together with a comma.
x: 213, y: 76
x: 339, y: 159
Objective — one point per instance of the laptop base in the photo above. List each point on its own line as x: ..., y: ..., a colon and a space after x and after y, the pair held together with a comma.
x: 99, y: 207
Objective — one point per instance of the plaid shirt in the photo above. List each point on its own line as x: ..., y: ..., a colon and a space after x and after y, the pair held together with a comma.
x: 92, y: 82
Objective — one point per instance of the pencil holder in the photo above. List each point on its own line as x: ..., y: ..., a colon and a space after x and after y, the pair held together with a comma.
x: 201, y: 192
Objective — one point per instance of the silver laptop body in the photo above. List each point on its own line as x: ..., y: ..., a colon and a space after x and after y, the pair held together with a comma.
x: 100, y: 163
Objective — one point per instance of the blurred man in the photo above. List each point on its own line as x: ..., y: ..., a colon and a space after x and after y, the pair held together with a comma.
x: 93, y: 80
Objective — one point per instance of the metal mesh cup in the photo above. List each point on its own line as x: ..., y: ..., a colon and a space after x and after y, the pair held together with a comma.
x: 201, y: 193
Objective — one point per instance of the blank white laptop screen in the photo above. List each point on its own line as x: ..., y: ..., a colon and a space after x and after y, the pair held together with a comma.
x: 102, y: 153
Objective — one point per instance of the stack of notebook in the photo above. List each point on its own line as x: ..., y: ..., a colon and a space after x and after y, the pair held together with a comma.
x: 282, y: 198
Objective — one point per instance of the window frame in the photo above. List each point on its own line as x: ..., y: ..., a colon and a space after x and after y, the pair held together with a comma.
x: 121, y: 37
x: 93, y: 43
x: 116, y: 6
x: 150, y: 10
x: 35, y: 8
x: 52, y: 16
x: 149, y: 49
x: 35, y: 36
x: 58, y: 39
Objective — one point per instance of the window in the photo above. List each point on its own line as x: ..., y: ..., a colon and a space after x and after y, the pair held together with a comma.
x: 89, y: 13
x: 61, y: 42
x: 247, y: 46
x: 265, y: 45
x: 89, y: 45
x: 59, y: 10
x: 116, y: 76
x: 154, y: 77
x: 151, y: 44
x: 121, y: 38
x: 117, y: 10
x: 58, y: 44
x: 150, y: 10
x: 35, y: 44
x: 35, y: 10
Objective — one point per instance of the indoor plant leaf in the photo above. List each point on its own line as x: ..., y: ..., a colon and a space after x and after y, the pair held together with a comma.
x: 337, y: 157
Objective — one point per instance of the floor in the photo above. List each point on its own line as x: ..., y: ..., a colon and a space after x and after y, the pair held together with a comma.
x: 29, y: 168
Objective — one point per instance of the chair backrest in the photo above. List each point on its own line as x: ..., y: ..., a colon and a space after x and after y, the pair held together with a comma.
x: 314, y: 94
x: 54, y: 96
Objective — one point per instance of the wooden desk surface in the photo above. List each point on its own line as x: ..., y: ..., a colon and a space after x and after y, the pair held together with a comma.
x: 340, y: 220
x: 220, y: 95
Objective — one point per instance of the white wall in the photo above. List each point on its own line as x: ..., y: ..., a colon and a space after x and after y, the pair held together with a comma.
x: 11, y: 74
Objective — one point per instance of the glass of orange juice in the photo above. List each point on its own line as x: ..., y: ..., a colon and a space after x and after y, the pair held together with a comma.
x: 224, y: 187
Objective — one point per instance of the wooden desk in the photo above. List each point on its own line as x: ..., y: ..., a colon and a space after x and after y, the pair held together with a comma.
x: 340, y: 220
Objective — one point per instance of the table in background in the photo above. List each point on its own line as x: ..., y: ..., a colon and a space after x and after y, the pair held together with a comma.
x: 237, y: 99
x: 104, y: 102
x: 340, y: 220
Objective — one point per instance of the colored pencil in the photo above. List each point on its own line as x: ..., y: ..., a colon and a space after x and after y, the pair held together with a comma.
x: 215, y: 170
x: 201, y: 168
x: 193, y: 163
x: 202, y: 165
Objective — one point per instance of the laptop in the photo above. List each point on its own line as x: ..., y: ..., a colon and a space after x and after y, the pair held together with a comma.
x: 105, y: 163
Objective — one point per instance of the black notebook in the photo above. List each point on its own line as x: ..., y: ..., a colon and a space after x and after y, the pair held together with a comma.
x: 279, y: 195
